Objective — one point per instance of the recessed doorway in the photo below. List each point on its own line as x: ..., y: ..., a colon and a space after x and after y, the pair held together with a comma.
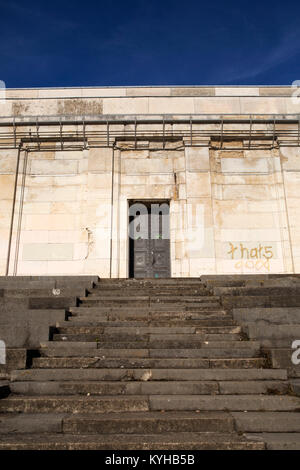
x: 149, y: 239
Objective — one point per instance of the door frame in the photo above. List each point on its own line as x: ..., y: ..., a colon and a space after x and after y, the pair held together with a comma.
x: 131, y: 201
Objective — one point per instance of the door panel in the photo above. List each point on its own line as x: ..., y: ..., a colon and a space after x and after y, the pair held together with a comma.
x: 150, y: 257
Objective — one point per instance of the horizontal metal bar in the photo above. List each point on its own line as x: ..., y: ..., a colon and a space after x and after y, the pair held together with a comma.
x: 149, y: 118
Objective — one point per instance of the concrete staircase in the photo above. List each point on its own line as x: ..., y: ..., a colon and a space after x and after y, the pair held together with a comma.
x: 157, y: 364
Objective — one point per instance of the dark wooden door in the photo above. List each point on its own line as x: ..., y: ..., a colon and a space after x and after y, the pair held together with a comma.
x: 150, y: 242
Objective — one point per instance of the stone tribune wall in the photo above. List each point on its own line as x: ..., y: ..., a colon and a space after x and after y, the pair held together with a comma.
x: 241, y: 205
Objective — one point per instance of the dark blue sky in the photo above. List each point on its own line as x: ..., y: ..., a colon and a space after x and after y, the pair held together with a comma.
x: 87, y: 43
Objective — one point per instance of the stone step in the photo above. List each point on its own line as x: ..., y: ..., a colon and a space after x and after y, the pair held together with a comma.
x: 94, y: 299
x: 258, y: 291
x: 30, y: 423
x: 72, y: 404
x: 158, y: 344
x: 142, y: 330
x: 277, y: 441
x: 179, y: 293
x: 146, y: 307
x: 148, y: 329
x: 260, y: 301
x: 240, y: 277
x: 187, y: 299
x: 283, y: 282
x: 148, y: 282
x: 180, y: 311
x: 47, y: 281
x: 277, y: 336
x: 94, y: 321
x: 54, y: 302
x: 150, y: 338
x: 124, y: 308
x: 15, y: 358
x: 224, y: 403
x: 150, y: 388
x: 267, y: 422
x: 42, y: 292
x: 150, y: 285
x: 104, y: 404
x: 65, y: 345
x: 44, y: 375
x: 281, y: 358
x: 148, y: 423
x: 158, y: 307
x: 142, y: 363
x: 118, y: 299
x: 29, y: 305
x: 114, y: 388
x: 287, y: 315
x: 149, y: 292
x: 163, y: 441
x: 251, y: 351
x: 161, y: 316
x: 46, y: 284
x: 210, y: 283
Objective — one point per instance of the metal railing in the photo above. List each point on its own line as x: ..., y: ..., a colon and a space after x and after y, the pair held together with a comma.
x: 43, y: 133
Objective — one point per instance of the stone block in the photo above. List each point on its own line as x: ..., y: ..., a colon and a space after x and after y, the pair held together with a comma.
x: 50, y: 221
x: 290, y: 158
x: 248, y: 220
x: 47, y: 251
x: 217, y: 105
x: 272, y: 315
x: 79, y: 107
x: 263, y: 105
x: 15, y: 359
x: 150, y: 165
x: 100, y: 160
x: 276, y: 91
x: 100, y: 180
x: 198, y: 184
x: 54, y: 167
x: 8, y: 161
x: 246, y: 191
x: 292, y: 105
x: 103, y: 92
x: 65, y: 267
x: 33, y: 107
x: 193, y: 91
x: 246, y: 165
x: 171, y: 105
x: 237, y: 91
x: 6, y: 186
x: 146, y: 91
x: 197, y: 158
x: 125, y: 106
x: 73, y: 155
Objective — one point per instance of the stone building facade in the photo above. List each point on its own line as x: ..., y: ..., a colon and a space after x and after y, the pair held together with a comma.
x: 224, y: 161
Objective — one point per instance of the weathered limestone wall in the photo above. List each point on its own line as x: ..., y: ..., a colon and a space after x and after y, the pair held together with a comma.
x: 7, y: 171
x: 231, y: 211
x: 66, y: 216
x: 249, y: 209
x: 290, y: 158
